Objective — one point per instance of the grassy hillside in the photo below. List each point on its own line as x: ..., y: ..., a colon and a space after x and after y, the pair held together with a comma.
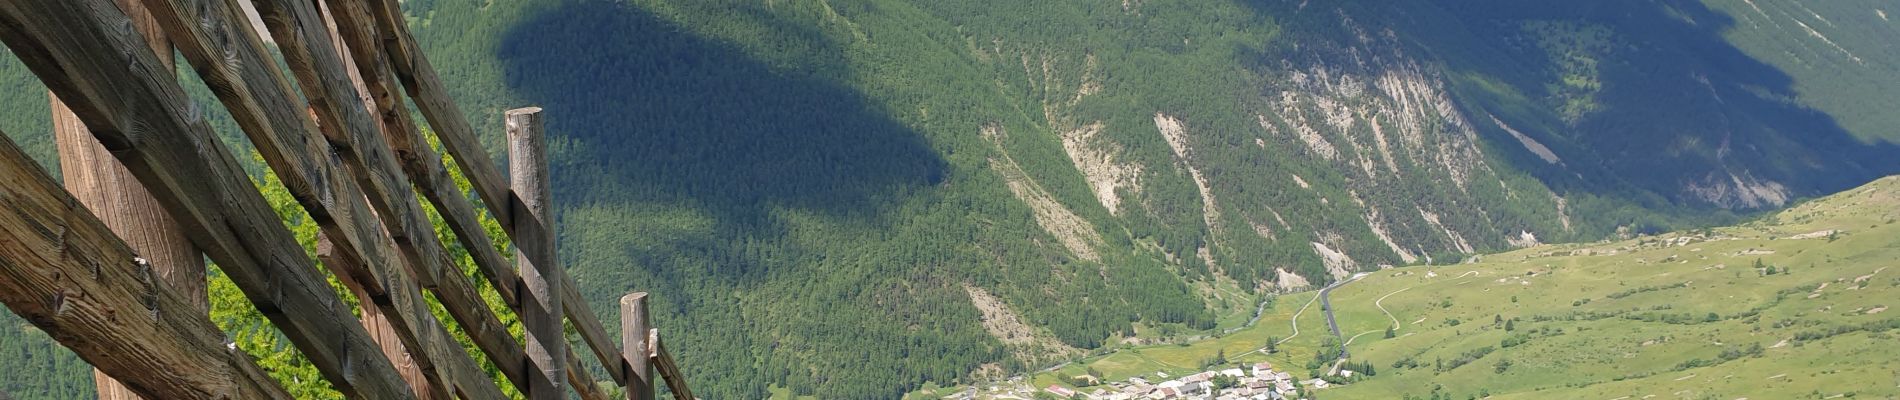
x: 1695, y: 314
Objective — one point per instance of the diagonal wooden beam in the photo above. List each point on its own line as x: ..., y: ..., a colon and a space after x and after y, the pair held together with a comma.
x: 304, y: 37
x: 669, y: 369
x: 94, y: 177
x: 62, y: 270
x: 365, y: 38
x: 80, y: 49
x: 422, y: 164
x: 215, y: 37
x: 432, y: 98
x: 351, y: 131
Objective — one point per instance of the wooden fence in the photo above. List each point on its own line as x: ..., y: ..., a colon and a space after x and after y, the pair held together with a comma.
x: 343, y: 143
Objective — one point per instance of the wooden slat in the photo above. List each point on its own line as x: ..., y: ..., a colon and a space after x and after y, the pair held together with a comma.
x: 670, y: 370
x: 348, y: 124
x: 62, y: 270
x: 592, y: 332
x: 577, y: 378
x: 425, y: 167
x: 380, y: 328
x: 422, y: 164
x: 216, y: 38
x: 427, y: 170
x: 353, y: 134
x: 433, y: 100
x: 94, y: 177
x: 81, y: 51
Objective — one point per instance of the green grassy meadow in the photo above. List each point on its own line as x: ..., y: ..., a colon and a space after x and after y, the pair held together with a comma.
x: 1685, y: 315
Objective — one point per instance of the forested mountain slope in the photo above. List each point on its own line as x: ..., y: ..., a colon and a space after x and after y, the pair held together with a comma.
x: 849, y: 198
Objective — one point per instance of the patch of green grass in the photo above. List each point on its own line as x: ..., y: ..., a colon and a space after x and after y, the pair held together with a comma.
x: 1679, y: 314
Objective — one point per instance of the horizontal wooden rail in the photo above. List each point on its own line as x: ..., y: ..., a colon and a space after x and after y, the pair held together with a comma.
x: 62, y: 270
x: 82, y: 52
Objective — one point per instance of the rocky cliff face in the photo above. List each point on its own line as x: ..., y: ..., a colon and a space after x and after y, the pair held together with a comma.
x: 1383, y: 134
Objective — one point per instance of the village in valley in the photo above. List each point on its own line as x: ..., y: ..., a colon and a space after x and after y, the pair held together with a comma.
x: 1257, y: 382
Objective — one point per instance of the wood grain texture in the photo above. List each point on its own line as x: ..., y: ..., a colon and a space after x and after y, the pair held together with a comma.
x: 110, y: 191
x: 380, y: 328
x: 231, y: 58
x: 64, y: 271
x: 426, y: 168
x: 546, y: 334
x: 352, y: 132
x: 428, y: 175
x: 638, y: 362
x: 315, y: 58
x: 432, y: 99
x: 80, y: 50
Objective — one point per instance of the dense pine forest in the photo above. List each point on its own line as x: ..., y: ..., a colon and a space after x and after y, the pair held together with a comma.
x: 855, y: 198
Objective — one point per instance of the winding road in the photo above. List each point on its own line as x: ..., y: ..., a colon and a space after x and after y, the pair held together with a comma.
x: 1326, y: 305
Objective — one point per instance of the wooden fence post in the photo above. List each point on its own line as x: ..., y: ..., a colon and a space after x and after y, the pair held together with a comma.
x: 541, y: 315
x: 103, y: 185
x: 635, y: 346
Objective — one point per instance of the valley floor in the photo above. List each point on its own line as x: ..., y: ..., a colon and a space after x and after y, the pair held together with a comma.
x: 1792, y: 306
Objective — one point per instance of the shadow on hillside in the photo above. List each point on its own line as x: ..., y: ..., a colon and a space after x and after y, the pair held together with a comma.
x: 1678, y: 103
x: 653, y: 114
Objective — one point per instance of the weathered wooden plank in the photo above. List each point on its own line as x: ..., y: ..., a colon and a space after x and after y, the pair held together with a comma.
x: 215, y: 37
x: 81, y: 51
x: 426, y: 168
x: 638, y: 363
x: 64, y: 271
x: 592, y: 332
x: 670, y: 370
x: 100, y: 183
x: 422, y: 164
x: 541, y: 311
x: 347, y: 123
x: 577, y: 378
x: 433, y: 100
x: 304, y: 40
x: 436, y: 106
x: 380, y: 328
